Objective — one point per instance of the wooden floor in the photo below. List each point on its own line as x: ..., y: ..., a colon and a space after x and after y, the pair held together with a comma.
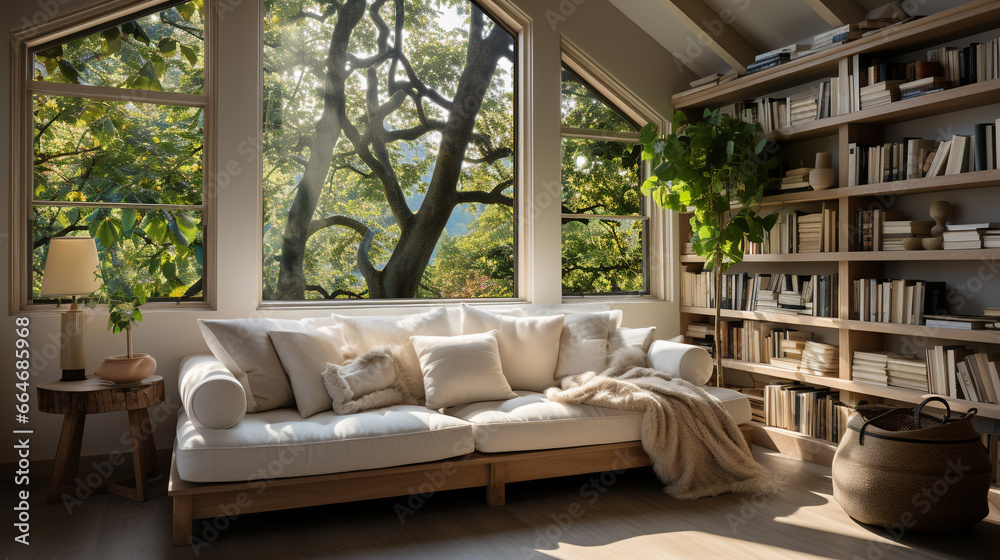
x: 617, y: 518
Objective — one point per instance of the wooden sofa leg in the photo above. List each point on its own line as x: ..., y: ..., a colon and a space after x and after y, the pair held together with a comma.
x: 747, y: 431
x: 182, y: 521
x: 496, y: 493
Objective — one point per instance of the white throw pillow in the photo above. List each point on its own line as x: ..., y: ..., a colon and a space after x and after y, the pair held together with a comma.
x: 583, y: 345
x: 305, y: 356
x: 582, y: 356
x: 373, y: 380
x: 461, y: 369
x: 364, y: 333
x: 635, y: 338
x: 243, y: 346
x: 529, y: 346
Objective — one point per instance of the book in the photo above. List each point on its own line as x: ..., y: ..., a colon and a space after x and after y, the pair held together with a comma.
x: 958, y: 159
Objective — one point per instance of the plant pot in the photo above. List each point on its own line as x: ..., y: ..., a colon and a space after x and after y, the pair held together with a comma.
x: 122, y: 369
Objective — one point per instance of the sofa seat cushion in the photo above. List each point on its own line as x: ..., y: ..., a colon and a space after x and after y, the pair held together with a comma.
x: 280, y: 444
x: 532, y: 422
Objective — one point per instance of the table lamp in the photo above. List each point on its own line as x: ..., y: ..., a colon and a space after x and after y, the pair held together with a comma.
x: 70, y: 269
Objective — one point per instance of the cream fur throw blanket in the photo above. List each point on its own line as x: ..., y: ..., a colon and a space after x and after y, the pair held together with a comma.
x: 696, y: 448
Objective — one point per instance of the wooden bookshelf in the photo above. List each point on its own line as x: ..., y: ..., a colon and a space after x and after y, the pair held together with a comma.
x: 961, y: 21
x: 863, y: 126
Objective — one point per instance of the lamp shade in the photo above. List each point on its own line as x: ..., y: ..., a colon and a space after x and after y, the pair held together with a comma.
x: 70, y: 267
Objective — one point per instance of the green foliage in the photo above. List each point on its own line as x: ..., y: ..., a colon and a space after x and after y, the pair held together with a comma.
x: 476, y: 262
x: 716, y: 167
x: 599, y: 256
x: 124, y: 290
x: 89, y: 150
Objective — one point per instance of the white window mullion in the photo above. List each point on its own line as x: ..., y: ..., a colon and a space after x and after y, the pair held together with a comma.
x: 118, y: 94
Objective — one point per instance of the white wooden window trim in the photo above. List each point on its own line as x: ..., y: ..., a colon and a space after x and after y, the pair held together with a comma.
x: 23, y: 41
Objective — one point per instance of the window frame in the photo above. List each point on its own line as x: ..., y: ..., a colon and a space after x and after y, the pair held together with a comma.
x: 63, y: 28
x: 659, y: 226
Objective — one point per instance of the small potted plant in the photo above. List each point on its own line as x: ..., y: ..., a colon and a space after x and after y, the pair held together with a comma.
x: 123, y: 296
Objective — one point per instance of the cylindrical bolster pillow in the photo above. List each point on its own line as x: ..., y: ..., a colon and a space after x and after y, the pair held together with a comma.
x: 691, y: 363
x: 212, y: 396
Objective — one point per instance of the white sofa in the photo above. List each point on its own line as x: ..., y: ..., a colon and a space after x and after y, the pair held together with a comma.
x: 282, y: 449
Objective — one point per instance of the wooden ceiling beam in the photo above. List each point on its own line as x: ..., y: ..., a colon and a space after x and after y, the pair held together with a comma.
x: 838, y: 12
x: 714, y: 31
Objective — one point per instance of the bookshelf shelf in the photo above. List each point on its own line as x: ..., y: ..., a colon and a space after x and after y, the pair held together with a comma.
x: 868, y: 256
x: 970, y: 180
x: 803, y: 320
x: 985, y: 336
x: 920, y: 331
x: 956, y: 99
x: 986, y: 410
x: 960, y: 21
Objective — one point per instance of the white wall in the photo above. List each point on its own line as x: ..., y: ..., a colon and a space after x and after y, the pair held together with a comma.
x: 595, y: 26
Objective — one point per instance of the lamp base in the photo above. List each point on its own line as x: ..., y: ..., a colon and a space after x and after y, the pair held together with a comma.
x: 73, y: 375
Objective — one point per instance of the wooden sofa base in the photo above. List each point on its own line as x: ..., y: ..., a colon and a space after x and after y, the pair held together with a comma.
x: 491, y: 470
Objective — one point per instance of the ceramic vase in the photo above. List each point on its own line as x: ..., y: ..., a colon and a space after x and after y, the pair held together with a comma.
x: 122, y: 369
x: 822, y: 177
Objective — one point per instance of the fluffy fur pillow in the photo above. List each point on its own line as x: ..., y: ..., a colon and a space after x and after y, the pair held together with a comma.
x: 374, y: 380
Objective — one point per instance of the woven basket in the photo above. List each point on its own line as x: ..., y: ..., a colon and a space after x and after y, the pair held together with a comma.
x: 899, y: 468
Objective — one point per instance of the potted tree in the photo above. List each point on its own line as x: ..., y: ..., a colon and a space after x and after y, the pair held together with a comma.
x: 123, y: 296
x: 717, y: 169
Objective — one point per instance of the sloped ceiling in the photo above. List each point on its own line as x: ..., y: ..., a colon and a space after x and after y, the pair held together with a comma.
x: 765, y: 24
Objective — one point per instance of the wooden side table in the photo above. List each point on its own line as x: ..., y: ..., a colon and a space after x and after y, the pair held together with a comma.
x: 75, y: 400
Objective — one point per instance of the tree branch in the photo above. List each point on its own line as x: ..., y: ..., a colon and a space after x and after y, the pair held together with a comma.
x: 494, y: 196
x: 333, y: 295
x: 42, y: 158
x: 61, y: 233
x: 331, y: 221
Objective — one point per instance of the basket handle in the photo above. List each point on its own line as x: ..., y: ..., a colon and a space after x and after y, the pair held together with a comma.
x: 861, y: 432
x: 920, y: 408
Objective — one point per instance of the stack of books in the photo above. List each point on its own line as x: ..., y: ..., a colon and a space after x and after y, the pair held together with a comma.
x: 810, y: 234
x: 707, y: 82
x: 786, y: 235
x: 701, y: 334
x: 786, y: 347
x: 768, y: 60
x: 803, y: 108
x: 774, y: 113
x: 967, y: 236
x: 957, y: 372
x: 881, y: 93
x: 896, y: 232
x: 907, y: 372
x: 961, y: 322
x: 870, y: 367
x: 820, y: 359
x: 907, y: 302
x: 923, y: 86
x: 796, y: 180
